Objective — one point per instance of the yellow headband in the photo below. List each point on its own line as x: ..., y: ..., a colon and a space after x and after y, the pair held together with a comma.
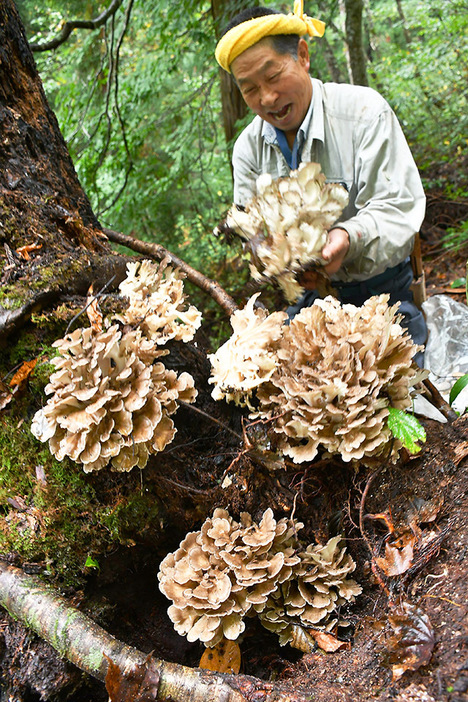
x: 246, y: 34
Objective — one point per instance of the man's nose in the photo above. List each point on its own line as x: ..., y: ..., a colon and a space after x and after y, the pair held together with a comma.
x: 268, y: 96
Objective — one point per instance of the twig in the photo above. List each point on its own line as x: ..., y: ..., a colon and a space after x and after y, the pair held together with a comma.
x: 156, y: 251
x: 212, y: 419
x: 69, y: 26
x: 369, y: 482
x: 439, y: 401
x: 76, y: 637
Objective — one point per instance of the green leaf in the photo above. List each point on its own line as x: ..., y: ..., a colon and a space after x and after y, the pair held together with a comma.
x: 458, y: 283
x: 458, y: 387
x: 406, y: 428
x: 91, y: 563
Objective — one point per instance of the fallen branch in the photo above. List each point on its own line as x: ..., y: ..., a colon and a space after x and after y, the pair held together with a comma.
x: 157, y: 251
x: 84, y: 643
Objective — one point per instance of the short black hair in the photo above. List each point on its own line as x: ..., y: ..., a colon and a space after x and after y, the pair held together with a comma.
x: 282, y: 43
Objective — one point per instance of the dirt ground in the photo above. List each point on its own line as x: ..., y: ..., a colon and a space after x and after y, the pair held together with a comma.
x: 398, y: 622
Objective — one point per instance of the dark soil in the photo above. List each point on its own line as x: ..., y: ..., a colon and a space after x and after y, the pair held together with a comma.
x: 422, y: 498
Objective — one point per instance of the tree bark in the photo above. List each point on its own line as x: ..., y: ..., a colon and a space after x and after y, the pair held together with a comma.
x: 401, y: 14
x: 234, y: 107
x: 42, y: 204
x: 38, y: 181
x: 354, y: 39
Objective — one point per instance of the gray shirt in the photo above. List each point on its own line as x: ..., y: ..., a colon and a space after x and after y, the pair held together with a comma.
x: 355, y: 136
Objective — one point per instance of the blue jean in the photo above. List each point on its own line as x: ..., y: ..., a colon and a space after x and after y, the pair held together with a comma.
x: 396, y: 282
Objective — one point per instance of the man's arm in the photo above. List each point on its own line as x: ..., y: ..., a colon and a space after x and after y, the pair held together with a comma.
x: 390, y: 200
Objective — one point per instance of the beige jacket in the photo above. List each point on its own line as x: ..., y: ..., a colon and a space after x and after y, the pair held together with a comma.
x: 355, y: 136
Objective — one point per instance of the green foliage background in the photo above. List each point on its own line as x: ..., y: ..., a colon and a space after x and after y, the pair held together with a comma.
x: 139, y: 105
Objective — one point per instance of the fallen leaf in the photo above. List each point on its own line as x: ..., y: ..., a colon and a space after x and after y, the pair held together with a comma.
x: 302, y: 639
x: 328, y: 642
x: 24, y: 251
x: 384, y: 517
x: 425, y: 511
x: 93, y: 311
x: 412, y: 642
x: 138, y: 685
x: 225, y: 657
x: 21, y: 375
x: 397, y: 559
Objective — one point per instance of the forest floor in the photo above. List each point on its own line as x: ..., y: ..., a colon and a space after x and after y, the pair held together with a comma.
x: 397, y: 623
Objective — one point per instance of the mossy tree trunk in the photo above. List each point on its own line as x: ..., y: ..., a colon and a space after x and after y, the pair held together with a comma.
x: 42, y: 204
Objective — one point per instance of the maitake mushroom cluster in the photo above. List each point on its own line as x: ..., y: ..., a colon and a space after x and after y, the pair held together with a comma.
x: 157, y: 302
x: 336, y: 369
x: 249, y: 358
x: 285, y: 225
x: 229, y: 570
x: 314, y: 595
x: 111, y: 399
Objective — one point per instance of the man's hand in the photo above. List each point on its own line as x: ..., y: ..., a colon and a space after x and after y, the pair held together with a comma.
x: 334, y: 252
x: 335, y: 249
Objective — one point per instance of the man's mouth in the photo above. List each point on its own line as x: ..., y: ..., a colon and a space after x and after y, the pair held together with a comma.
x: 281, y: 114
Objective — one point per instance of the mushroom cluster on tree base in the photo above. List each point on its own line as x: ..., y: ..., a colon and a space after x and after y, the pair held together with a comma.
x: 229, y: 570
x: 334, y: 371
x: 111, y: 398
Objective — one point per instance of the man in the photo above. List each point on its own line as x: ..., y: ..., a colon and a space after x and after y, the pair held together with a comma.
x: 354, y: 135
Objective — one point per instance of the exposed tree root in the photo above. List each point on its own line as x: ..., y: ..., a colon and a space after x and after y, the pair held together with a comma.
x: 84, y: 643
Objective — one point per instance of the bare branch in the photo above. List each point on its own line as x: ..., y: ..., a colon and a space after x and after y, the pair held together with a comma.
x: 157, y: 251
x: 69, y: 26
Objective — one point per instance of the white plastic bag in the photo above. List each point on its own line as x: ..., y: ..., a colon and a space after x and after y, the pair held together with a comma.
x: 446, y: 354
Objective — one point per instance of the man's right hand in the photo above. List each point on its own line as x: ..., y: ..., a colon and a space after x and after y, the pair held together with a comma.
x: 335, y: 249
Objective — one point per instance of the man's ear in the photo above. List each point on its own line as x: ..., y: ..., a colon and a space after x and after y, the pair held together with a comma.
x: 303, y: 53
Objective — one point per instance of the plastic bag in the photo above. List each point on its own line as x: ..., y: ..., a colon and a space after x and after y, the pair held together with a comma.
x: 446, y: 354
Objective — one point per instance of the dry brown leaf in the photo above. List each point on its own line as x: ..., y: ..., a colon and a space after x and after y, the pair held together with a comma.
x: 413, y: 640
x: 24, y: 251
x: 21, y: 375
x: 384, y: 517
x: 93, y: 311
x: 398, y: 559
x: 139, y: 685
x: 328, y: 642
x: 225, y: 657
x: 425, y: 511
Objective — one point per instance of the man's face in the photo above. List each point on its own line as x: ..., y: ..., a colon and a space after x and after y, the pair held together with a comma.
x: 275, y: 86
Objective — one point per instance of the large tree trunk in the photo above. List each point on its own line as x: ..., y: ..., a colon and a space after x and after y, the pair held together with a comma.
x: 42, y: 203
